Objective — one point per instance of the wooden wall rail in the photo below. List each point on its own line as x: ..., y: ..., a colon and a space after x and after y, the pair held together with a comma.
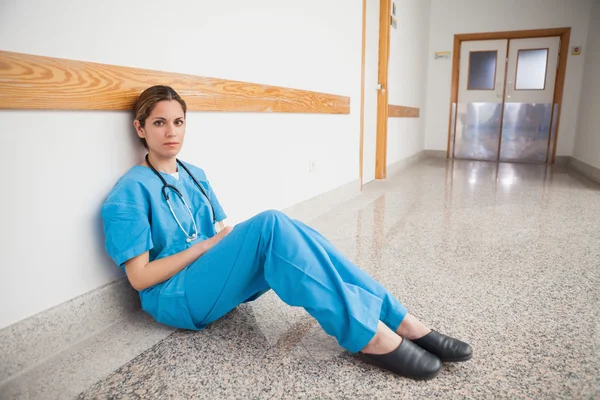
x: 36, y: 82
x: 402, y: 112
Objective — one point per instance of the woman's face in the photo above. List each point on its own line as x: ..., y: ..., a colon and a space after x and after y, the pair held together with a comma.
x: 164, y: 129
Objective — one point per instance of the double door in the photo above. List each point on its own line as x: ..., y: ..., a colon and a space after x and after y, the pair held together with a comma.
x: 505, y: 99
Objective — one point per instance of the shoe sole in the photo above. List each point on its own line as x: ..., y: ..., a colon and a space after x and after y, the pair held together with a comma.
x: 381, y: 365
x: 459, y: 359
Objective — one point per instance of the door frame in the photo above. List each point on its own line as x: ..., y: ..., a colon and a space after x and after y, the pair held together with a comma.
x: 563, y: 33
x: 362, y: 91
x: 385, y: 10
x: 385, y: 14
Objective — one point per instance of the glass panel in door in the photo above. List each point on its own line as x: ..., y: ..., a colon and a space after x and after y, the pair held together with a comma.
x: 482, y: 70
x: 531, y: 69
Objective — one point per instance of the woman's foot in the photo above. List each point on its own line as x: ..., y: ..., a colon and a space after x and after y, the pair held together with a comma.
x: 390, y: 352
x: 446, y: 348
x: 384, y: 341
x: 411, y: 328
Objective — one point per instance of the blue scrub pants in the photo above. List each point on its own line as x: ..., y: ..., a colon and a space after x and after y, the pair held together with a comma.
x: 272, y: 251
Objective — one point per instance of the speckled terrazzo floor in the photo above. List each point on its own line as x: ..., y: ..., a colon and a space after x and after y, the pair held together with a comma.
x: 505, y: 257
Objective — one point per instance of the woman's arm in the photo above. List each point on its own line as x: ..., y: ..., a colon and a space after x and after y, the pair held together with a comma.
x: 142, y: 274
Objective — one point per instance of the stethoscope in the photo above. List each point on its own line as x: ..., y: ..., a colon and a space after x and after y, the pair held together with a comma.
x: 189, y: 238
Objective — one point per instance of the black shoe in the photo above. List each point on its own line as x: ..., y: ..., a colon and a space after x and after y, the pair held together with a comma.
x: 408, y: 360
x: 445, y: 347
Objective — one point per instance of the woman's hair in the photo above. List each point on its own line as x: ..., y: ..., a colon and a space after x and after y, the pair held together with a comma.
x: 148, y: 100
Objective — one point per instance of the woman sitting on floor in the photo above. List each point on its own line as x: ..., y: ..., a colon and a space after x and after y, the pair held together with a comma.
x: 160, y: 226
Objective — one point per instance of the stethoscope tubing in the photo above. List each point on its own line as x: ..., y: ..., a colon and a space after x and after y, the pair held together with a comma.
x: 165, y: 195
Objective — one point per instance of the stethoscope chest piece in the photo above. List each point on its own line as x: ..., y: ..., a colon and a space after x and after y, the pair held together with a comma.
x: 191, y: 238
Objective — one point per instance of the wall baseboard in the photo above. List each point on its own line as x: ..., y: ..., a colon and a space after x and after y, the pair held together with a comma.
x: 587, y: 170
x: 35, y: 339
x: 559, y: 160
x: 562, y: 160
x: 435, y: 153
x: 403, y: 164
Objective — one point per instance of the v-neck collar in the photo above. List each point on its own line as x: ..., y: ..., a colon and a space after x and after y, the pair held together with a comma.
x: 170, y: 178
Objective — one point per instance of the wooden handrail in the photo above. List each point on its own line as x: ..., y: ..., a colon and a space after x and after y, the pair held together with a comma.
x: 36, y: 82
x: 403, y: 112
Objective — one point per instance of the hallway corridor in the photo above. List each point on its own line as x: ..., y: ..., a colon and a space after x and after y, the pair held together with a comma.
x: 505, y: 257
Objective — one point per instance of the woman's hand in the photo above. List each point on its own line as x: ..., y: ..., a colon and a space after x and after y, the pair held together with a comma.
x: 142, y: 274
x: 208, y: 244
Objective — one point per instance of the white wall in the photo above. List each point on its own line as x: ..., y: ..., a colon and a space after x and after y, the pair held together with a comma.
x: 407, y: 79
x: 59, y: 166
x: 587, y: 143
x: 467, y: 16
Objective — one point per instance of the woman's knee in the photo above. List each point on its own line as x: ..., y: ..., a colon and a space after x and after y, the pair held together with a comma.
x: 270, y: 216
x: 271, y: 222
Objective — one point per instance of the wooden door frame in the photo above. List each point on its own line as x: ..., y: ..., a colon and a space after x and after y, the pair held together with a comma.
x: 563, y: 33
x: 385, y: 10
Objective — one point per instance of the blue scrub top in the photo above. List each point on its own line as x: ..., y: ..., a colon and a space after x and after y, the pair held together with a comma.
x: 137, y: 219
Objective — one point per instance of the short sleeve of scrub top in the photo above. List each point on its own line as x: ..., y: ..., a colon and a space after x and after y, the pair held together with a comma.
x: 127, y: 231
